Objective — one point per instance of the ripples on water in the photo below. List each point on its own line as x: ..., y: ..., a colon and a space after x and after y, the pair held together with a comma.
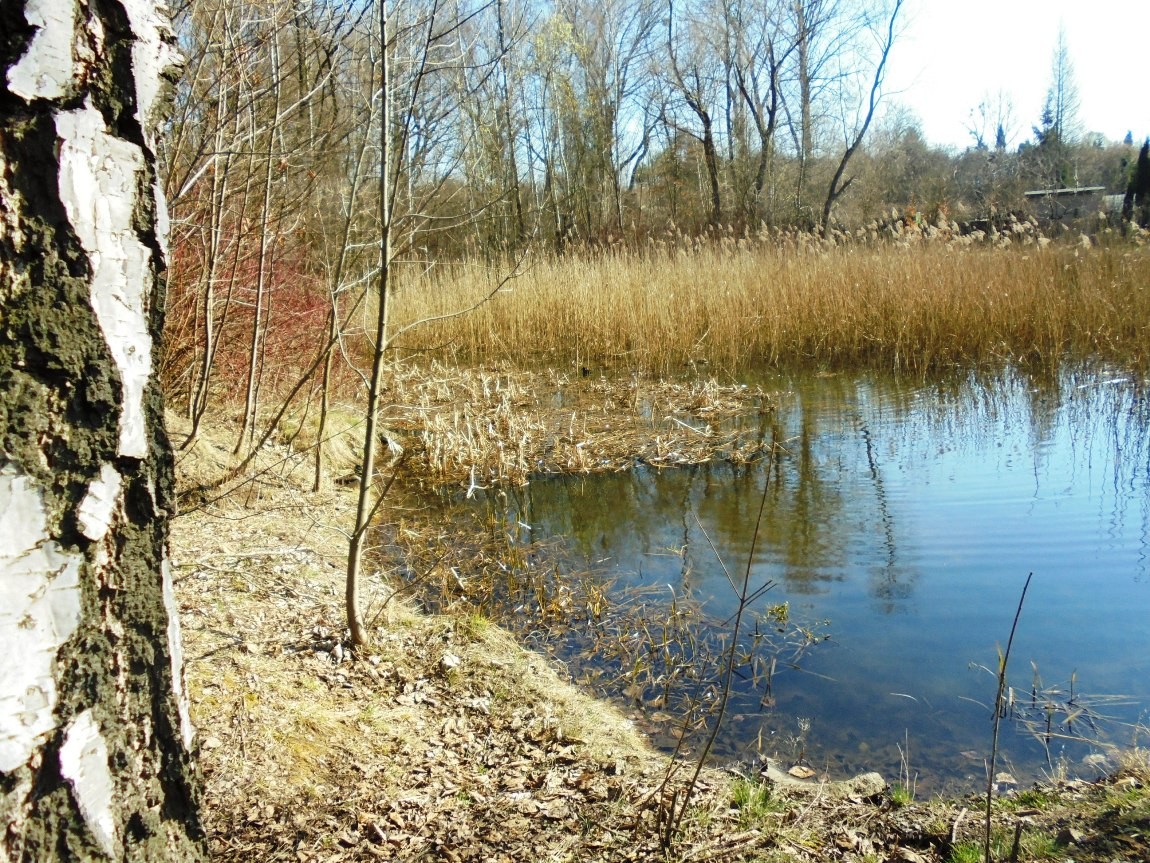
x: 908, y: 517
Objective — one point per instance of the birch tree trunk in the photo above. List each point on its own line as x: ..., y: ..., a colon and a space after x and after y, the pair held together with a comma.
x: 94, y: 726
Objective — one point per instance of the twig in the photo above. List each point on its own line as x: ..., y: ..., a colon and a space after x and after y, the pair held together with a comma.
x: 283, y: 551
x: 954, y: 827
x: 1017, y: 845
x: 704, y: 432
x: 722, y: 848
x: 1002, y: 662
x: 676, y: 817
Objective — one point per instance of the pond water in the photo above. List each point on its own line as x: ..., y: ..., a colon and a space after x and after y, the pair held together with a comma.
x: 903, y: 521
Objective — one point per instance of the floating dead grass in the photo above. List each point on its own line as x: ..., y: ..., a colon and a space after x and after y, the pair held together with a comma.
x: 478, y: 427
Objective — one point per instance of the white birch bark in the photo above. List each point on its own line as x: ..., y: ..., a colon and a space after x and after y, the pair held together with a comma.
x: 85, y: 474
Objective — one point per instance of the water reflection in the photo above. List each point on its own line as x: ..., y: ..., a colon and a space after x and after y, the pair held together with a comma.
x: 909, y: 517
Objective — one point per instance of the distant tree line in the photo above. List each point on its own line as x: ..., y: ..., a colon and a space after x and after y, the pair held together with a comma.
x: 585, y: 121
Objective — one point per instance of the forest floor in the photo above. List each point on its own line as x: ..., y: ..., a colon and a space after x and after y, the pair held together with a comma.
x: 447, y: 740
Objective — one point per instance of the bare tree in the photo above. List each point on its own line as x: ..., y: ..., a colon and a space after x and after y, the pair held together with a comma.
x: 343, y: 245
x: 266, y: 239
x: 613, y: 45
x: 762, y: 48
x: 821, y: 30
x: 253, y: 133
x: 1057, y: 131
x: 95, y: 733
x: 883, y: 33
x: 696, y: 83
x: 419, y: 48
x: 550, y: 102
x: 991, y: 123
x: 510, y: 126
x: 1062, y: 101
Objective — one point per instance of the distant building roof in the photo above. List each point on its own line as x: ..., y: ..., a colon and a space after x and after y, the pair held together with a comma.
x: 1065, y: 193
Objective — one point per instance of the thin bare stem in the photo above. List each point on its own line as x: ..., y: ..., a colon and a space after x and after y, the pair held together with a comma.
x: 1002, y: 662
x: 682, y: 800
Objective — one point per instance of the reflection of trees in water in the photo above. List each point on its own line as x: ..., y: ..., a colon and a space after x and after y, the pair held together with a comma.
x: 889, y: 583
x: 686, y: 582
x: 828, y: 502
x: 1116, y: 419
x: 828, y: 506
x: 801, y: 538
x: 573, y: 507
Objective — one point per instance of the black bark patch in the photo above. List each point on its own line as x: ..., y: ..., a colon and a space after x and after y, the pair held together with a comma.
x: 113, y: 85
x: 15, y: 34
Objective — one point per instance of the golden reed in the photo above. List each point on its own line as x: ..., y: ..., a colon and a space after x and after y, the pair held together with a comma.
x: 904, y: 308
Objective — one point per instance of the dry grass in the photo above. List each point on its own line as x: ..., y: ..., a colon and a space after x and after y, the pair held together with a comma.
x: 479, y: 427
x: 908, y: 307
x: 1136, y: 761
x: 342, y: 436
x: 286, y: 460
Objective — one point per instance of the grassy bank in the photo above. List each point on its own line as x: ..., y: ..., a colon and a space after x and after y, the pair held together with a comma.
x: 910, y: 308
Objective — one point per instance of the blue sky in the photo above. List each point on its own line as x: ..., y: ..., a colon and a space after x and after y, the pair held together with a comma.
x: 952, y: 53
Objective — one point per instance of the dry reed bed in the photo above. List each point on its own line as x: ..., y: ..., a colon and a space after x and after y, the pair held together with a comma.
x: 907, y: 308
x: 479, y: 427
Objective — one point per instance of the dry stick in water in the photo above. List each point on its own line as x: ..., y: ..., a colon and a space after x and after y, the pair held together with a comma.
x: 1002, y: 661
x: 746, y: 596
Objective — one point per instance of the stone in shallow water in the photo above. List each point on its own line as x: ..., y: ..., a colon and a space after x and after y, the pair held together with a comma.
x: 1097, y: 760
x: 860, y: 787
